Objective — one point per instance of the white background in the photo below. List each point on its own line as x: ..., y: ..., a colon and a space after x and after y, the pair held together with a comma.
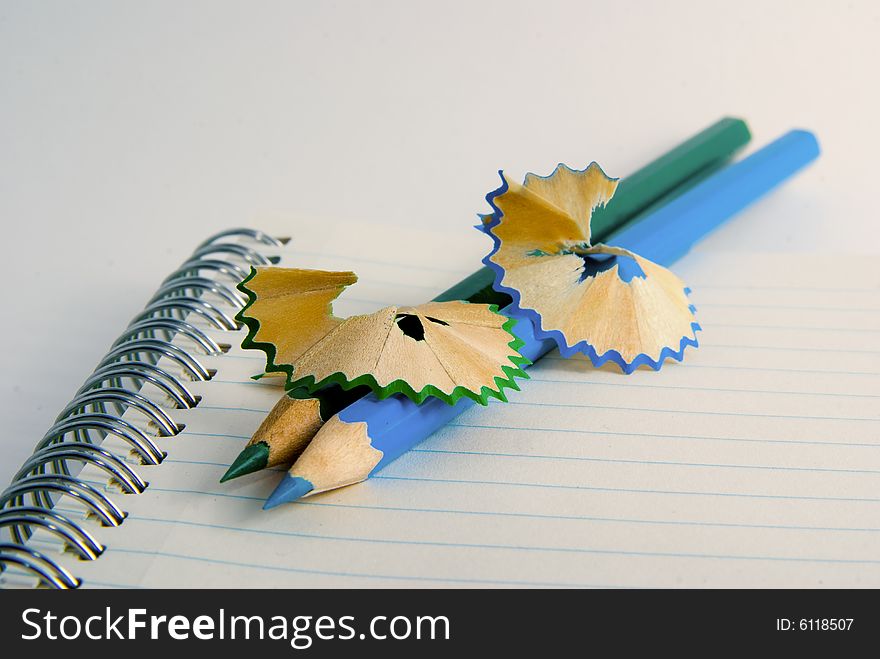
x: 129, y: 131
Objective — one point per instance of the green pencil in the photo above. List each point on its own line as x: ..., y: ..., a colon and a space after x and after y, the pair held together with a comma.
x: 296, y: 418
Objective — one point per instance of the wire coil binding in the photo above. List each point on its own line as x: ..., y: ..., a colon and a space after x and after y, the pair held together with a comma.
x: 96, y: 411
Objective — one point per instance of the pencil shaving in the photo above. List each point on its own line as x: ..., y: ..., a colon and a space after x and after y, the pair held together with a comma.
x: 606, y: 302
x: 442, y: 349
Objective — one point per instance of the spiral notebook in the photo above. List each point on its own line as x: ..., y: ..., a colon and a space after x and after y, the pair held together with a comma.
x: 756, y: 462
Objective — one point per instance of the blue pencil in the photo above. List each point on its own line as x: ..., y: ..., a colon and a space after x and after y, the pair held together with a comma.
x: 371, y: 433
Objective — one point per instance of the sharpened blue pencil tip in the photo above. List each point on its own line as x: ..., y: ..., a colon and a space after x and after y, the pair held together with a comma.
x: 289, y: 489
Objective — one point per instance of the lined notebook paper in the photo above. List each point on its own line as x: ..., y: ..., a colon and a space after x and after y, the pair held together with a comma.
x: 756, y: 462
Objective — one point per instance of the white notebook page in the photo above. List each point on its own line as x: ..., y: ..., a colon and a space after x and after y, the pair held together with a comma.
x: 756, y: 462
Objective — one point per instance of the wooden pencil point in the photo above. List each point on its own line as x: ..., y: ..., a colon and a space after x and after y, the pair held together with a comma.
x: 253, y: 458
x: 288, y: 428
x: 289, y: 490
x: 341, y: 454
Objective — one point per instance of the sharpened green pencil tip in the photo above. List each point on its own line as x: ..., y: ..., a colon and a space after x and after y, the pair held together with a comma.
x: 289, y: 489
x: 253, y: 458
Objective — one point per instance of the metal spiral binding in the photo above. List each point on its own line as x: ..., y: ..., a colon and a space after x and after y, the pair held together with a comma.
x: 97, y: 409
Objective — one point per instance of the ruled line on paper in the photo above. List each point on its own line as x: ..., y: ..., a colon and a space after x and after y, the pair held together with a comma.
x: 729, y: 305
x: 641, y: 385
x: 661, y: 436
x: 760, y: 288
x: 524, y: 484
x: 462, y: 545
x: 680, y: 411
x: 550, y: 516
x: 360, y: 575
